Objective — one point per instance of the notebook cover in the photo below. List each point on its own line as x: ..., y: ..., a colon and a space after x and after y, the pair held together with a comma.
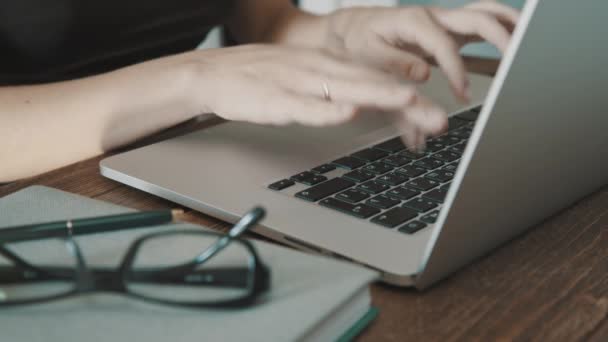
x: 360, y: 325
x: 305, y: 289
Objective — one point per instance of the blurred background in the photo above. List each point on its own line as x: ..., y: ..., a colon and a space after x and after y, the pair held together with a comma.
x: 326, y: 6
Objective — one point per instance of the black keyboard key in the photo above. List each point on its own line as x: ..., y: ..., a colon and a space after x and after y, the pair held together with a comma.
x: 348, y: 163
x: 437, y: 195
x: 395, y: 217
x: 446, y: 156
x: 466, y: 134
x: 430, y: 217
x: 325, y: 168
x: 402, y: 193
x: 454, y: 151
x: 448, y: 140
x: 392, y: 145
x: 359, y: 175
x: 429, y: 163
x: 440, y: 175
x: 412, y: 227
x: 378, y: 168
x: 411, y: 171
x: 459, y: 148
x: 463, y: 133
x: 411, y: 155
x: 370, y: 155
x: 446, y: 186
x: 314, y: 180
x: 303, y: 177
x: 450, y: 167
x: 437, y: 144
x: 454, y: 122
x: 396, y: 160
x: 477, y: 109
x: 352, y: 196
x: 358, y: 210
x: 442, y: 139
x: 383, y: 202
x: 434, y: 146
x: 392, y: 179
x: 421, y: 204
x: 422, y: 184
x: 282, y: 184
x: 325, y: 189
x: 373, y: 187
x: 468, y: 116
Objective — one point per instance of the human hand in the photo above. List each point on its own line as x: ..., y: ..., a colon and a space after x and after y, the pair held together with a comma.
x: 399, y: 40
x: 279, y: 85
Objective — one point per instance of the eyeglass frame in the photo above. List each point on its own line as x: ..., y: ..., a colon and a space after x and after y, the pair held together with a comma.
x: 89, y: 280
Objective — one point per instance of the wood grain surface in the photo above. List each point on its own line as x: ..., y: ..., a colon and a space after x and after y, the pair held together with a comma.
x: 550, y: 284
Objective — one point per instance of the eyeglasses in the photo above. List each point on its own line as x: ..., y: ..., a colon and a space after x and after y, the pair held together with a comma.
x: 188, y: 268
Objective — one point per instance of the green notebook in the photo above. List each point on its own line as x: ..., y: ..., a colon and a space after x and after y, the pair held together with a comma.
x: 312, y: 298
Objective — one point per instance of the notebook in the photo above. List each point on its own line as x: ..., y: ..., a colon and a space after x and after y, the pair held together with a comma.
x: 312, y: 298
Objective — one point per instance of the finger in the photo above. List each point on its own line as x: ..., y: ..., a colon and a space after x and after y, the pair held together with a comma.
x: 340, y: 66
x: 421, y: 121
x: 469, y: 22
x: 385, y: 95
x: 392, y: 59
x: 290, y: 107
x: 431, y: 37
x: 502, y: 11
x: 407, y: 130
x: 429, y: 118
x: 420, y: 142
x: 413, y: 138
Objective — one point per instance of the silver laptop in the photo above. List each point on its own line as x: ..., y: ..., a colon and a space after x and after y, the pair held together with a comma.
x: 535, y: 146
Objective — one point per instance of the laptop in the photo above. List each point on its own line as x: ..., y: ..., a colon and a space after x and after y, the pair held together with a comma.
x: 532, y: 145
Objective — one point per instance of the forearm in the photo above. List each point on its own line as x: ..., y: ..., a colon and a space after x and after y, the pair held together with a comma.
x: 277, y: 21
x: 47, y: 126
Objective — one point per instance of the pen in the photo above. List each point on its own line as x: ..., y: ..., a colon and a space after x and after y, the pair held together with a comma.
x: 62, y: 229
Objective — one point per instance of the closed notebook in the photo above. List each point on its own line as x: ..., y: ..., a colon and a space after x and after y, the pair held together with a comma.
x: 311, y: 298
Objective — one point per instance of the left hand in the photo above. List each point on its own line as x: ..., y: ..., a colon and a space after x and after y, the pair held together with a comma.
x: 400, y: 40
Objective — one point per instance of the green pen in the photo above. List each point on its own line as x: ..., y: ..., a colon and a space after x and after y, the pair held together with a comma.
x: 63, y: 229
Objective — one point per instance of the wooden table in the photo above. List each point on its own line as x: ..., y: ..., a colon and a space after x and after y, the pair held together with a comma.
x: 549, y: 285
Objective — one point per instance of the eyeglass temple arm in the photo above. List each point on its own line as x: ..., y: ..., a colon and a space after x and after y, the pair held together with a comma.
x: 20, y: 264
x: 220, y: 276
x: 228, y: 276
x: 12, y: 275
x: 248, y: 221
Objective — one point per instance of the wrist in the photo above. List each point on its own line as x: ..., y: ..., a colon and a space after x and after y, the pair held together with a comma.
x: 172, y: 86
x: 146, y: 98
x: 198, y: 75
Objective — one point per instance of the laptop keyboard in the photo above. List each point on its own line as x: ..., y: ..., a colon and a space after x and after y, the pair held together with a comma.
x: 387, y: 184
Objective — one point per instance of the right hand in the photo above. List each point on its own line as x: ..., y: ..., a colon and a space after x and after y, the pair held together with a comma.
x: 279, y: 85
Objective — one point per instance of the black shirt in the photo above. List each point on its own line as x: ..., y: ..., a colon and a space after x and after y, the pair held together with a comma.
x: 52, y: 40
